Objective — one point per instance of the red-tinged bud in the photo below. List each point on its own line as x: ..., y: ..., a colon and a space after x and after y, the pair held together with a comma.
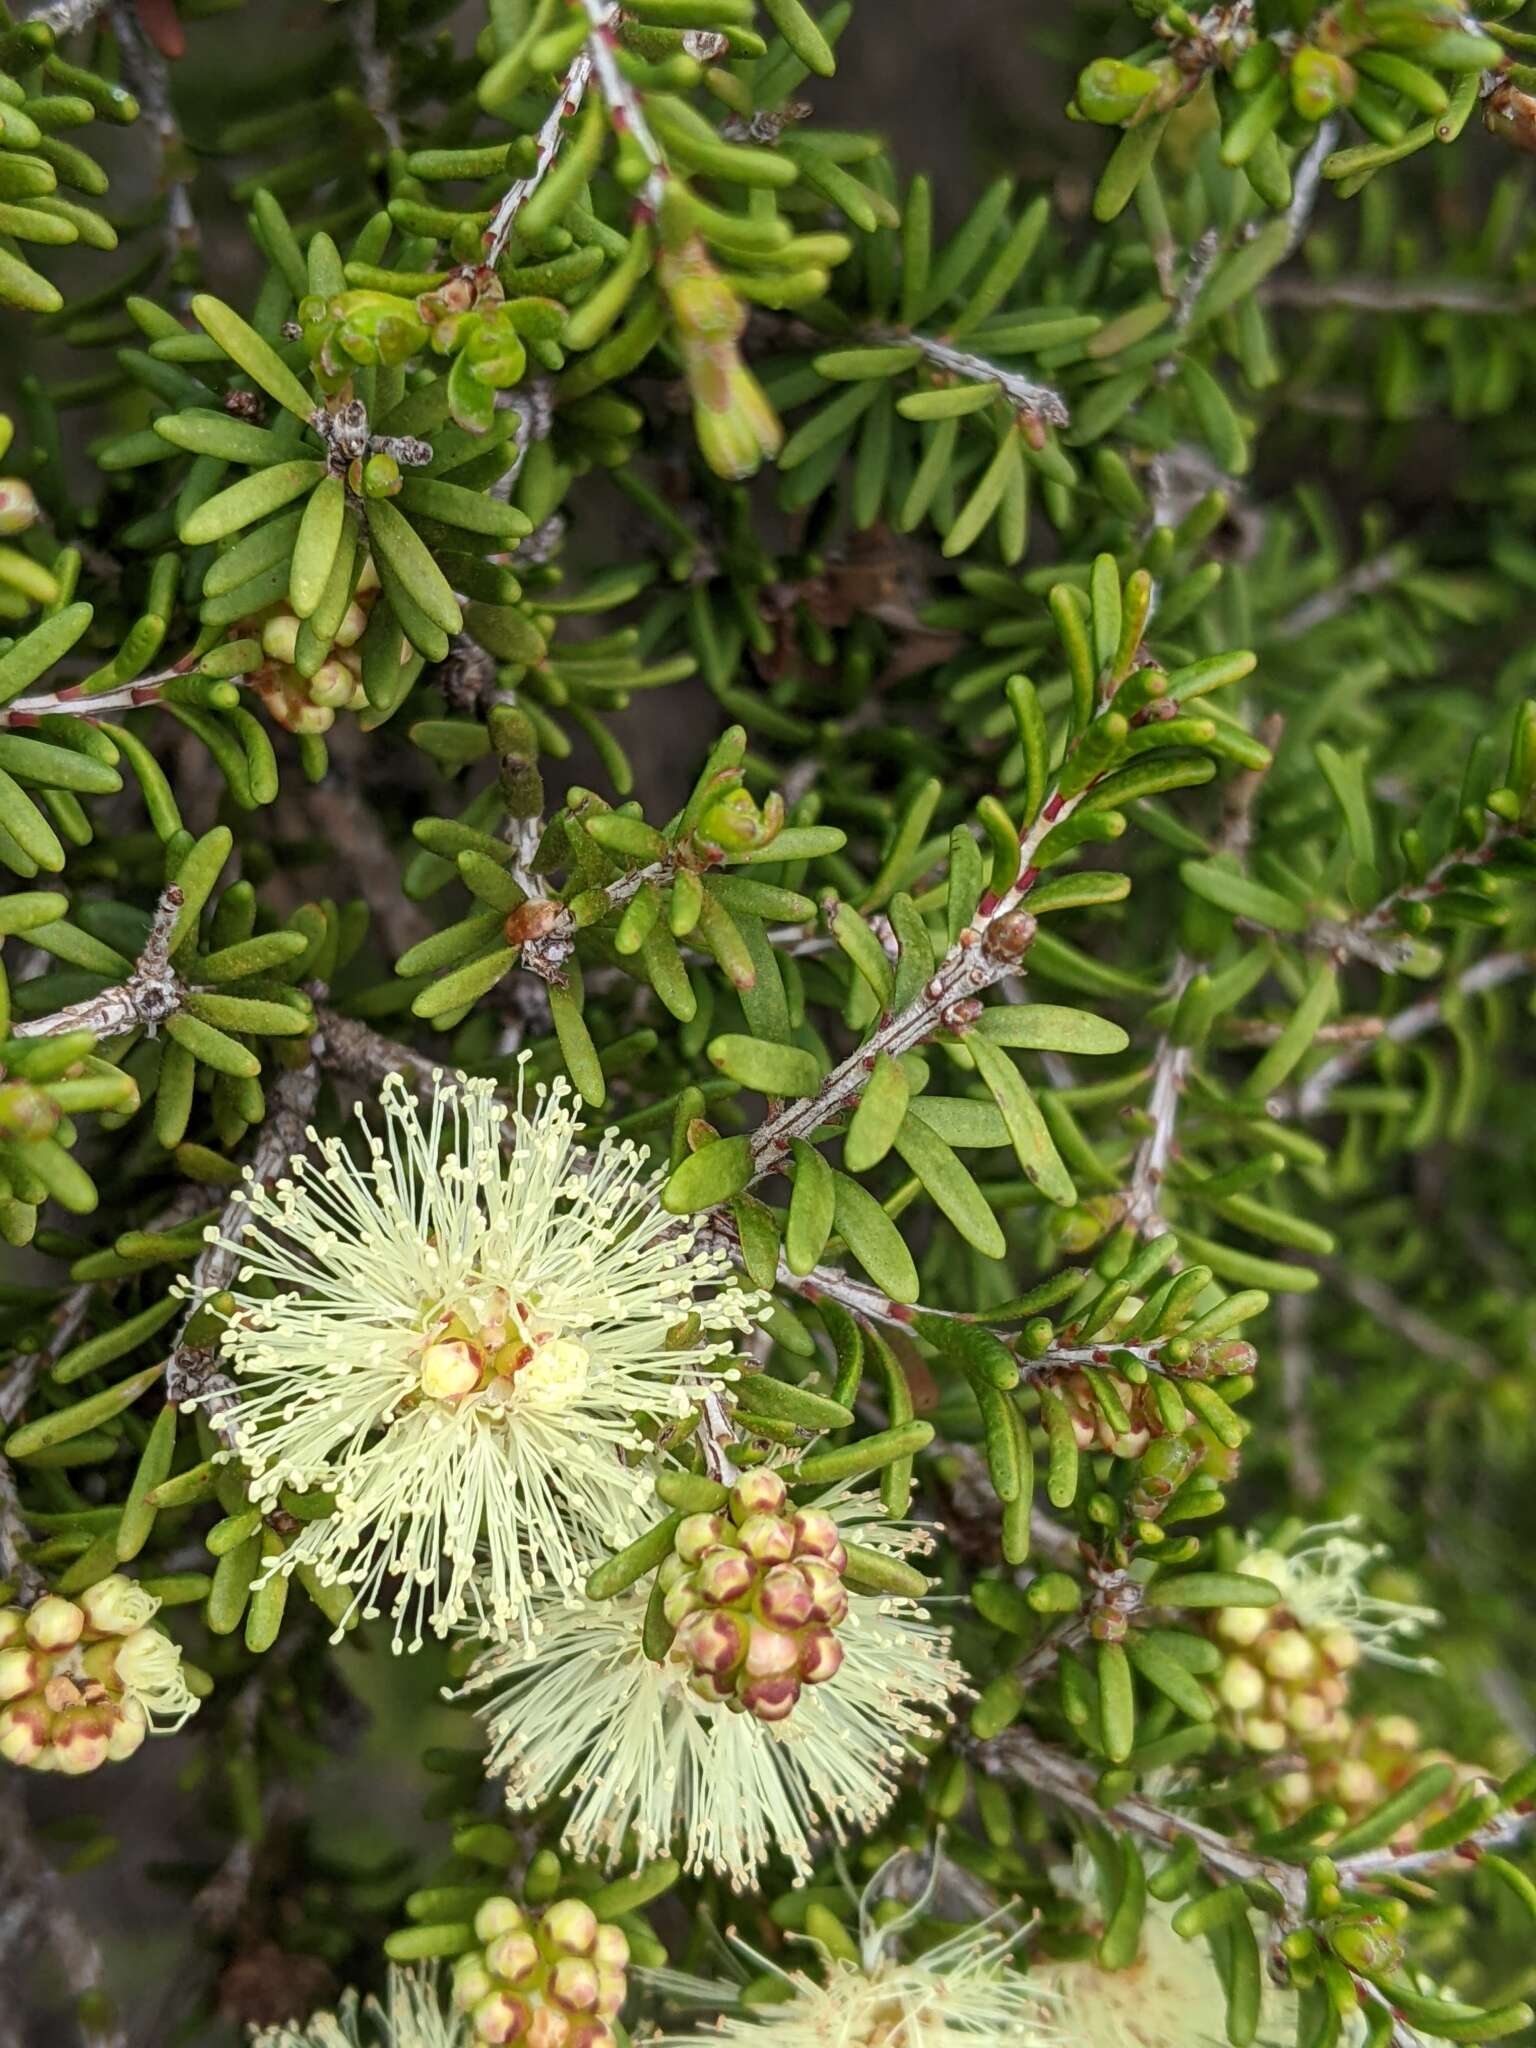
x: 129, y: 1729
x: 499, y: 1915
x: 55, y: 1623
x: 612, y: 1988
x: 573, y: 1984
x: 501, y: 2017
x: 21, y: 1671
x: 784, y: 1597
x: 571, y: 1926
x: 757, y: 1493
x: 592, y: 2033
x: 829, y: 1596
x: 718, y: 1692
x: 610, y: 1951
x: 725, y: 1577
x: 770, y: 1699
x: 696, y: 1534
x: 713, y: 1642
x: 816, y: 1534
x: 680, y: 1603
x: 549, y: 2028
x: 821, y: 1656
x: 24, y: 1730
x: 767, y: 1538
x: 770, y: 1653
x: 81, y: 1740
x: 513, y: 1957
x: 18, y: 507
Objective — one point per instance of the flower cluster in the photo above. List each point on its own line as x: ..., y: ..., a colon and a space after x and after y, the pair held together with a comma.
x: 554, y: 1979
x: 755, y: 1598
x: 82, y: 1682
x: 632, y: 1744
x: 304, y: 694
x: 464, y: 1337
x: 965, y: 1991
x: 1287, y: 1670
x: 1171, y: 1993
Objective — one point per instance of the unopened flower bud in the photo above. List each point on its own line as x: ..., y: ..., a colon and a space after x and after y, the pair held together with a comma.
x: 549, y: 2028
x: 55, y: 1623
x: 757, y: 1493
x: 610, y: 1951
x: 821, y: 1656
x: 450, y: 1370
x: 1289, y: 1655
x: 724, y: 1577
x: 1110, y: 91
x: 21, y: 1671
x: 331, y: 684
x: 513, y: 1957
x: 81, y: 1739
x: 26, y: 1112
x: 784, y: 1597
x: 280, y: 637
x: 501, y: 2017
x: 573, y: 1983
x: 768, y: 1539
x: 18, y: 506
x: 713, y: 1642
x: 771, y: 1653
x: 571, y: 1925
x: 829, y: 1596
x: 499, y: 1915
x: 770, y: 1699
x: 816, y: 1534
x: 24, y: 1731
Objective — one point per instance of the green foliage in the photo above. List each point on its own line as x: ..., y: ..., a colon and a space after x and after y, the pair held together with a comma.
x: 1048, y: 893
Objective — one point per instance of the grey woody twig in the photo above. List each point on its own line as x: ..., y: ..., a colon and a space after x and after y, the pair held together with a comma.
x: 151, y: 993
x: 192, y: 1371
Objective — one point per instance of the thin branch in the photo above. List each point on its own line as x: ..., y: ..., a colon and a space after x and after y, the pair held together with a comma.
x: 1377, y: 572
x: 1018, y: 1753
x: 1295, y: 1383
x: 74, y: 702
x: 552, y: 133
x: 374, y: 68
x: 624, y: 109
x: 1307, y: 182
x: 151, y: 993
x: 1389, y: 295
x: 192, y: 1371
x: 1038, y: 400
x: 1377, y: 937
x: 1311, y: 1098
x: 1448, y: 1347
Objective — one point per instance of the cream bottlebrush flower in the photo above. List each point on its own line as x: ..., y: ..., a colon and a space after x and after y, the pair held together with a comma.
x: 590, y: 1717
x: 464, y: 1336
x: 968, y: 1993
x: 1170, y: 1997
x: 411, y: 2017
x: 1321, y: 1578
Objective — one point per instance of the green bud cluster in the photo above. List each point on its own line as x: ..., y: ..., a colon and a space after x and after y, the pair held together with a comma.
x: 548, y: 1979
x: 755, y: 1595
